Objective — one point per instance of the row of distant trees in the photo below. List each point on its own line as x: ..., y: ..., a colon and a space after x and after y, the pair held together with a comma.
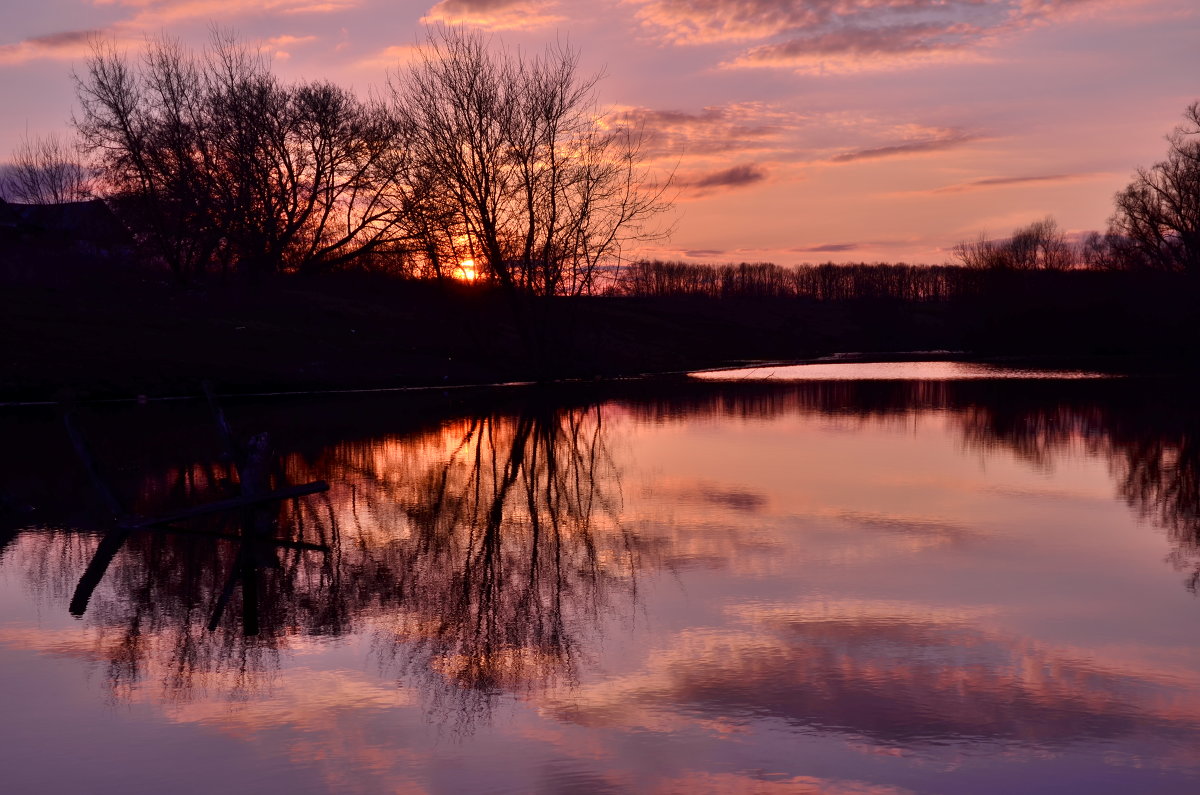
x: 828, y: 282
x: 472, y: 153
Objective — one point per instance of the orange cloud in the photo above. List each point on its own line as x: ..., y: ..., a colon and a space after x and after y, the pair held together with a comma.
x: 155, y: 13
x: 495, y: 14
x: 390, y: 57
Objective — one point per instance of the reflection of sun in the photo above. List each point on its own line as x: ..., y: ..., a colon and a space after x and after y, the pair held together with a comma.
x: 466, y: 271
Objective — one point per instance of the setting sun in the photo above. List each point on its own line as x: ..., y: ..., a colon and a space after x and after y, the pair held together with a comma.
x: 466, y: 271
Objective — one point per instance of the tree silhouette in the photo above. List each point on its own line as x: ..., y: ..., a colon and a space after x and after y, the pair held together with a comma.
x: 1158, y: 213
x: 545, y: 188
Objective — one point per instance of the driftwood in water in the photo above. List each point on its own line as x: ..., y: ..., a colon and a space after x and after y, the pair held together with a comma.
x: 112, y: 542
x: 109, y: 546
x: 257, y: 545
x: 233, y: 503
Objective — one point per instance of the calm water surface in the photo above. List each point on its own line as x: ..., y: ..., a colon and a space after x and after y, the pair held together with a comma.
x: 850, y: 586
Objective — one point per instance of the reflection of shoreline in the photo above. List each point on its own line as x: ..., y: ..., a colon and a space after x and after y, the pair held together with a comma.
x: 492, y: 572
x: 1147, y: 429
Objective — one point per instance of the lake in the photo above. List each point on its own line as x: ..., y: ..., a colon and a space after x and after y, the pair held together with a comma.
x: 915, y: 577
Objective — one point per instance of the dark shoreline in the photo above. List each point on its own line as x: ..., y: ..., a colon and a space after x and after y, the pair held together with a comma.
x: 86, y: 332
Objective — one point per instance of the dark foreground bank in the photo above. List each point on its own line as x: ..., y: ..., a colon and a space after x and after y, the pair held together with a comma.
x: 86, y: 332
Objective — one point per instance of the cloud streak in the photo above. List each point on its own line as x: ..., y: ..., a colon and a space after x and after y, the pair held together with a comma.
x: 150, y: 14
x: 839, y: 36
x: 1002, y: 182
x: 63, y: 44
x: 941, y: 141
x: 828, y: 248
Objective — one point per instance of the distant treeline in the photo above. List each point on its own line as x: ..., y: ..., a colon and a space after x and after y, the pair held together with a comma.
x: 833, y: 282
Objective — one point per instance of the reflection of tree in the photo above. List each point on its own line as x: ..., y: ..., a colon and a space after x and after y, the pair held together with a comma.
x: 1162, y: 478
x: 1147, y: 430
x: 506, y: 547
x: 481, y: 553
x: 1149, y: 439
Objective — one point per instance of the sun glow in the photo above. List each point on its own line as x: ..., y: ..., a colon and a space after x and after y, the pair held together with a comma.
x: 466, y: 271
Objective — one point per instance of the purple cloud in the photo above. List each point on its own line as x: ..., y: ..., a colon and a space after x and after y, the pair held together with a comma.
x: 828, y: 248
x: 844, y: 35
x: 996, y: 182
x: 733, y: 177
x: 947, y: 140
x: 66, y: 38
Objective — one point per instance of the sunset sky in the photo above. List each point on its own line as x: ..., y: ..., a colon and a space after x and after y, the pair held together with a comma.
x: 799, y: 130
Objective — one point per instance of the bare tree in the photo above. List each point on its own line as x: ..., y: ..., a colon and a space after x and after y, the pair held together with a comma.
x: 46, y: 170
x: 1039, y: 246
x: 1109, y: 251
x: 542, y: 184
x: 222, y: 165
x: 1159, y: 212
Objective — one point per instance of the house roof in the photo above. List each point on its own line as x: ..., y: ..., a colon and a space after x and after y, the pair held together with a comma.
x: 88, y: 220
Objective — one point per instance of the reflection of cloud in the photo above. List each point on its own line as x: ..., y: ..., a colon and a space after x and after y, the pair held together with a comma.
x: 846, y: 35
x: 705, y: 493
x: 898, y: 675
x: 915, y: 526
x: 494, y: 14
x: 701, y: 783
x: 304, y: 699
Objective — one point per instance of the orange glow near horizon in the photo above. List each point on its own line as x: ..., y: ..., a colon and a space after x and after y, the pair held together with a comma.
x: 466, y: 271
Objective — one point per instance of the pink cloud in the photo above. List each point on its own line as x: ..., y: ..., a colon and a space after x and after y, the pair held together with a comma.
x: 495, y: 14
x: 155, y: 13
x: 836, y: 36
x: 714, y: 130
